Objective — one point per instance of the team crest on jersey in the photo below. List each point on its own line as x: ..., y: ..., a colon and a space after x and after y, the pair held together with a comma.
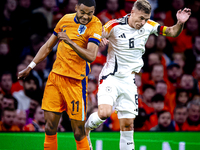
x: 108, y: 89
x: 141, y: 31
x: 81, y: 29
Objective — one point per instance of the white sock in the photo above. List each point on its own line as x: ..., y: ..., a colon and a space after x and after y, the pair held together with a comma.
x: 126, y: 140
x: 93, y: 121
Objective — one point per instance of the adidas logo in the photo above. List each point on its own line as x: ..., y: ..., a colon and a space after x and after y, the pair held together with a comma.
x: 122, y: 36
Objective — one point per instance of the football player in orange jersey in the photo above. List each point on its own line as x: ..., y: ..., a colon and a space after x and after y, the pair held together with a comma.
x: 79, y: 35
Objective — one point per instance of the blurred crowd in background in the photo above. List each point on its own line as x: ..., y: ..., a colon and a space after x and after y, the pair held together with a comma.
x: 168, y: 84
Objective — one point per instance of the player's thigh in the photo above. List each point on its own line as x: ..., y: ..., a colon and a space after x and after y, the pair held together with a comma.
x: 127, y: 102
x: 107, y: 91
x: 126, y: 124
x: 52, y: 97
x: 75, y: 97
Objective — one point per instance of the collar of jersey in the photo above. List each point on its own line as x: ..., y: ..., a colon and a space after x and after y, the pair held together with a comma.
x: 76, y: 21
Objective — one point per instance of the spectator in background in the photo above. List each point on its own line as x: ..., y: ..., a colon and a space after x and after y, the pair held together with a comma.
x: 20, y: 119
x: 7, y: 122
x: 36, y: 41
x: 47, y: 10
x: 184, y: 40
x: 197, y: 73
x: 112, y: 11
x: 34, y: 103
x: 9, y: 101
x: 38, y: 123
x: 22, y: 12
x: 6, y: 24
x: 95, y: 70
x: 190, y: 84
x: 163, y: 89
x: 18, y: 85
x: 41, y: 73
x: 171, y: 14
x: 173, y: 74
x: 5, y: 55
x: 180, y: 116
x: 179, y: 58
x: 158, y: 105
x: 192, y: 56
x: 6, y: 82
x: 145, y: 100
x: 30, y: 85
x: 164, y: 122
x: 92, y: 101
x: 164, y: 48
x: 193, y: 120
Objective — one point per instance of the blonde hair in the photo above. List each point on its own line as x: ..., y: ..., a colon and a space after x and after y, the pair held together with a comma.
x: 143, y: 5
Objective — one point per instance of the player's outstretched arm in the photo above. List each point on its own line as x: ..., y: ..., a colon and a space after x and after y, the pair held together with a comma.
x: 88, y: 54
x: 182, y: 17
x: 40, y: 56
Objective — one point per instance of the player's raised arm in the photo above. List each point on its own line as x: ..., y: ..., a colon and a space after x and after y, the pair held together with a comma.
x: 182, y: 17
x: 40, y: 56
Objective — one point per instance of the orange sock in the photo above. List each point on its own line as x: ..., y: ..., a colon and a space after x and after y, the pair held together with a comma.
x: 50, y: 142
x: 83, y: 144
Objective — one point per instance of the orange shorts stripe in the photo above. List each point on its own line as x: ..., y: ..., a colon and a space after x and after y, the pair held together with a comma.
x: 66, y: 94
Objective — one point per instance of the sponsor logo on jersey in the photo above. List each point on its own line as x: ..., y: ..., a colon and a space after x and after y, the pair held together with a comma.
x: 81, y: 29
x: 122, y: 36
x: 141, y: 31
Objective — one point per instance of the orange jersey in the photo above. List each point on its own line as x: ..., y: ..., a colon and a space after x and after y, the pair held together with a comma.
x: 68, y: 62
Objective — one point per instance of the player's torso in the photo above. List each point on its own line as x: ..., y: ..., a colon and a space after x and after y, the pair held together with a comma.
x: 126, y: 46
x: 68, y: 62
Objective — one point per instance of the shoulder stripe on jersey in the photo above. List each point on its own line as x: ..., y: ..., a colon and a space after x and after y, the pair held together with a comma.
x: 161, y: 30
x: 97, y: 42
x: 152, y: 23
x: 110, y: 25
x: 55, y: 33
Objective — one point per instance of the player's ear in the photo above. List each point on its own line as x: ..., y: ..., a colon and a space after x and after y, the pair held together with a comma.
x: 76, y: 8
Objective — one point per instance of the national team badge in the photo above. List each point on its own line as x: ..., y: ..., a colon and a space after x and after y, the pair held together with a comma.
x: 141, y: 31
x: 108, y: 89
x: 81, y: 29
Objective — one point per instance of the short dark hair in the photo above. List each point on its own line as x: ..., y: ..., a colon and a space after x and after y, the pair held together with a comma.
x: 7, y: 109
x: 9, y: 96
x: 162, y: 112
x: 88, y: 3
x: 158, y: 98
x: 146, y: 86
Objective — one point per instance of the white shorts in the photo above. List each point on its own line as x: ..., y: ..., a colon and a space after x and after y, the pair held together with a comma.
x: 120, y: 93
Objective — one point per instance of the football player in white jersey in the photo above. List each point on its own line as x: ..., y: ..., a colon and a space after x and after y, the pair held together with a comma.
x: 127, y: 38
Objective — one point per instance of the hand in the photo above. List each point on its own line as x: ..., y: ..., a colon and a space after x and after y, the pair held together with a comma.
x: 24, y: 73
x: 183, y: 15
x: 104, y: 42
x: 63, y: 36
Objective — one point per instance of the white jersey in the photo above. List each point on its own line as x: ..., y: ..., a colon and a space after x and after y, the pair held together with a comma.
x: 126, y: 46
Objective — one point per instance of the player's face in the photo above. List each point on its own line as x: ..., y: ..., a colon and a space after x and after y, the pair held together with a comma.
x: 84, y: 14
x: 138, y: 18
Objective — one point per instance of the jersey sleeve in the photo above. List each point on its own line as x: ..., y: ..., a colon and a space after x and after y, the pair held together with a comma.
x: 107, y: 28
x: 157, y: 28
x: 95, y: 33
x: 59, y: 26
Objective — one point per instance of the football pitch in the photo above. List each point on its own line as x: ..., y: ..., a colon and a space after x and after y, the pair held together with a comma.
x: 104, y: 141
